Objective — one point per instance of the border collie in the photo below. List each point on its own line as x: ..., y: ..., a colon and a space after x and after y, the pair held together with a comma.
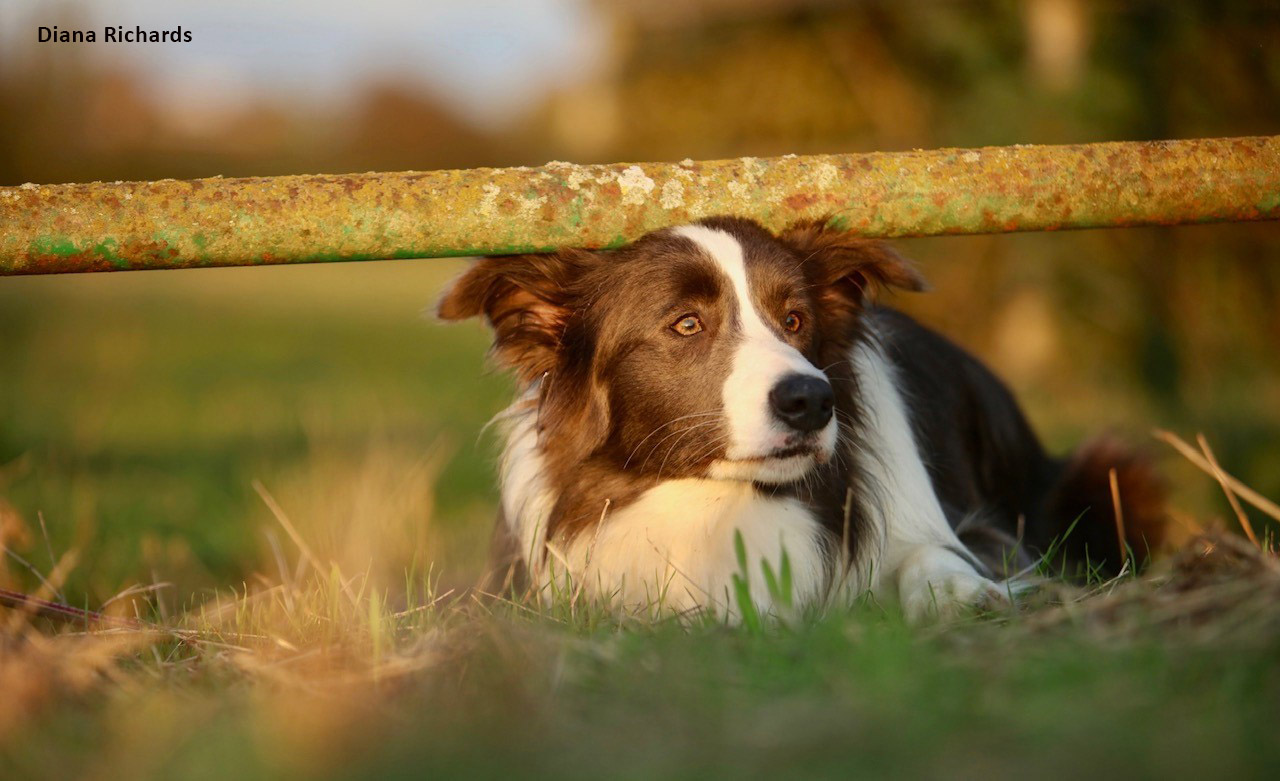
x: 716, y: 380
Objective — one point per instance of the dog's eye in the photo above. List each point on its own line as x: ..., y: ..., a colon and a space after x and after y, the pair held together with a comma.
x: 792, y: 322
x: 687, y: 325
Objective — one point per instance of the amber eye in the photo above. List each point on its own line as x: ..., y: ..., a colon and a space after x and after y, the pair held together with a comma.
x: 687, y: 325
x: 792, y: 322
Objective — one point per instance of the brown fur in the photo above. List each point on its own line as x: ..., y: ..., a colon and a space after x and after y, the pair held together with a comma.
x: 1083, y: 498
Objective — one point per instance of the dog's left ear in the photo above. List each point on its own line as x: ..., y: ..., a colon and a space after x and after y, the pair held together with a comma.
x: 846, y: 268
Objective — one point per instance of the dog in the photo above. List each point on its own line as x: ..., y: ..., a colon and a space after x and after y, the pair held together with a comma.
x: 715, y: 389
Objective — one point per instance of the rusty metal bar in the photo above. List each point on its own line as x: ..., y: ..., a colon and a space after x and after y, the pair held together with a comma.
x: 305, y: 219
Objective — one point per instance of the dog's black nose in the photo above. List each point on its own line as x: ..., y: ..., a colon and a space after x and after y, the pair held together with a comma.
x: 802, y: 402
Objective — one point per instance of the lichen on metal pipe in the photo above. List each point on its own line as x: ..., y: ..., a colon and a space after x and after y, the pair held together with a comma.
x: 486, y: 211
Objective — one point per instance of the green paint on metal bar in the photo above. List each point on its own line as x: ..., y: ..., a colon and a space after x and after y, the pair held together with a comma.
x: 307, y: 219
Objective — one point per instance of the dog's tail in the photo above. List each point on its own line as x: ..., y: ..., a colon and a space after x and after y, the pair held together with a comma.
x: 1083, y: 528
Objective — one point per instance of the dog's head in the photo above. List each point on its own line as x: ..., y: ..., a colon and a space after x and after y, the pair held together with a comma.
x: 701, y: 351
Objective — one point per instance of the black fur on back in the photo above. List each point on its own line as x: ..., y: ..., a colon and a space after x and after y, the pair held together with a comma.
x: 1010, y: 501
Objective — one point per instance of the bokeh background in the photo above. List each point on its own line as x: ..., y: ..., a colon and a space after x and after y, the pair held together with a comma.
x: 148, y: 420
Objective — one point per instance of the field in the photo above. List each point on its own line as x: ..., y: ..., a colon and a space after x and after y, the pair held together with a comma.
x: 282, y: 472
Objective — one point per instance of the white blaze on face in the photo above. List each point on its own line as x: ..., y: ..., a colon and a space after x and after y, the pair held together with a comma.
x: 761, y: 360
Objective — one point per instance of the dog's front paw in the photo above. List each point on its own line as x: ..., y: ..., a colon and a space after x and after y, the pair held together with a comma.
x: 936, y: 584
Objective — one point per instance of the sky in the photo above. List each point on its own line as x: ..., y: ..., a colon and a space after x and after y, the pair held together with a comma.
x: 490, y: 59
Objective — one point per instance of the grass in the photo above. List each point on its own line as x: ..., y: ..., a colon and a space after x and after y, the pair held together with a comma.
x: 135, y: 413
x: 279, y: 470
x: 327, y: 675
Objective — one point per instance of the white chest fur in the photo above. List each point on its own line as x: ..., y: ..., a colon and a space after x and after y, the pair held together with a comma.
x: 674, y: 547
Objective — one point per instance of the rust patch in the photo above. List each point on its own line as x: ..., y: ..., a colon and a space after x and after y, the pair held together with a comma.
x: 800, y: 201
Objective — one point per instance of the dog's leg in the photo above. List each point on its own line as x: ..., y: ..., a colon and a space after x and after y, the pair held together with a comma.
x: 920, y: 558
x: 934, y: 582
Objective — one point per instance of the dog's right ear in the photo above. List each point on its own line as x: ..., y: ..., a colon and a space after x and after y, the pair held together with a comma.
x: 526, y: 299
